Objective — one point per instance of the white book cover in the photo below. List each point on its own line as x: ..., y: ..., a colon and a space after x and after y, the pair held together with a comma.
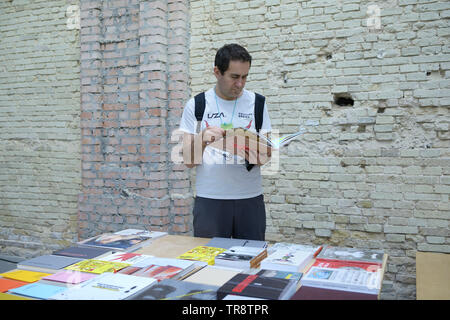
x: 239, y: 256
x: 183, y: 264
x: 107, y: 286
x: 352, y: 254
x: 236, y: 297
x: 127, y: 257
x: 47, y: 263
x: 124, y: 240
x: 294, y: 247
x: 287, y: 260
x: 347, y: 279
x: 240, y: 253
x: 142, y: 233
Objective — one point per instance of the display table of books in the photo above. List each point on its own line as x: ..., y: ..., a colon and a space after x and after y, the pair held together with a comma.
x: 148, y: 265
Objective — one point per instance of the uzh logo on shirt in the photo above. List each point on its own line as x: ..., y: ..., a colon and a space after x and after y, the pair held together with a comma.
x: 215, y: 115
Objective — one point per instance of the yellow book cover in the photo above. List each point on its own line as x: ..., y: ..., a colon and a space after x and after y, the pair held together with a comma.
x: 6, y: 296
x: 24, y: 275
x: 97, y: 266
x: 202, y: 253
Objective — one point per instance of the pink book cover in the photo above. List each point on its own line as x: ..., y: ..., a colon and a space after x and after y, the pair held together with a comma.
x: 70, y: 276
x: 158, y: 272
x: 167, y: 273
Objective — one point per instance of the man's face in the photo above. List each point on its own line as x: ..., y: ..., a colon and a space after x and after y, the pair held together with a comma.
x: 232, y: 82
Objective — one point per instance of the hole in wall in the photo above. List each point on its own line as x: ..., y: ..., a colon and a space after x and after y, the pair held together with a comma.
x: 436, y: 74
x: 284, y: 75
x: 361, y: 128
x: 381, y: 110
x: 343, y: 99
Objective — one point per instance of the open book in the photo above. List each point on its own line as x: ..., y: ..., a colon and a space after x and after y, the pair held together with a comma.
x: 254, y: 147
x: 283, y: 140
x: 244, y: 137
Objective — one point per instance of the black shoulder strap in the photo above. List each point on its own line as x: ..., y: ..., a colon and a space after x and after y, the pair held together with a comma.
x: 259, y: 113
x: 259, y: 110
x: 200, y: 104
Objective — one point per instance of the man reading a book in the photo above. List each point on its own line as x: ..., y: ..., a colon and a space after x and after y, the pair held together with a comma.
x: 229, y: 201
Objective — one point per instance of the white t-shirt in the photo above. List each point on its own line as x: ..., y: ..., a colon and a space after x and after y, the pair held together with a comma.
x: 222, y: 175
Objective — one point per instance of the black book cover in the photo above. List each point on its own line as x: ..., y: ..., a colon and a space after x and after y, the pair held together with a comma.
x: 81, y: 252
x: 170, y: 289
x: 254, y: 285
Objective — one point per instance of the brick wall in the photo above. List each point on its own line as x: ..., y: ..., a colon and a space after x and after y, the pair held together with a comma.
x: 39, y: 126
x: 372, y: 174
x: 134, y: 82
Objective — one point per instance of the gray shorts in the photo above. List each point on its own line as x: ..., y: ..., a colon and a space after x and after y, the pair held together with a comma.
x: 239, y: 219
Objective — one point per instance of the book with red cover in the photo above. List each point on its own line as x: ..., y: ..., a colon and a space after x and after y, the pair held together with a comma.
x: 312, y: 293
x: 346, y: 264
x: 7, y: 284
x: 344, y: 275
x: 158, y: 272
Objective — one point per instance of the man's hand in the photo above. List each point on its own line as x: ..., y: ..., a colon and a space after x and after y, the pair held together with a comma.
x: 260, y: 156
x: 195, y: 144
x: 252, y: 151
x: 211, y: 134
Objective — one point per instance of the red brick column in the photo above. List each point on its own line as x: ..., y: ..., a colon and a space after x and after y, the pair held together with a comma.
x: 179, y: 93
x: 134, y: 76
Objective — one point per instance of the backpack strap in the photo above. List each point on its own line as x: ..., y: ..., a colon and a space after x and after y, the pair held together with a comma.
x: 200, y: 104
x: 258, y: 114
x: 259, y: 110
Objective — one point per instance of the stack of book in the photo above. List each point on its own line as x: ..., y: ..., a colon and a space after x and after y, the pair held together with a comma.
x: 202, y: 253
x: 257, y: 286
x: 213, y: 275
x: 227, y: 243
x: 106, y: 268
x: 163, y: 268
x: 241, y: 257
x: 107, y: 286
x: 125, y: 240
x: 44, y: 276
x: 344, y: 272
x: 177, y: 290
x: 47, y: 263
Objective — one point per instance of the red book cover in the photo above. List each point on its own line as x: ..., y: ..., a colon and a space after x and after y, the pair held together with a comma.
x: 335, y: 264
x: 7, y: 284
x: 312, y: 293
x: 158, y: 272
x: 167, y: 273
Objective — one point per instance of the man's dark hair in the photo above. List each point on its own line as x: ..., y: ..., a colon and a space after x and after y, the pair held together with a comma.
x: 231, y: 52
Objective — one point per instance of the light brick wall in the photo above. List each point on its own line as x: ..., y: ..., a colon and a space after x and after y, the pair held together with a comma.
x: 39, y: 126
x: 134, y: 85
x: 375, y: 174
x: 372, y: 175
